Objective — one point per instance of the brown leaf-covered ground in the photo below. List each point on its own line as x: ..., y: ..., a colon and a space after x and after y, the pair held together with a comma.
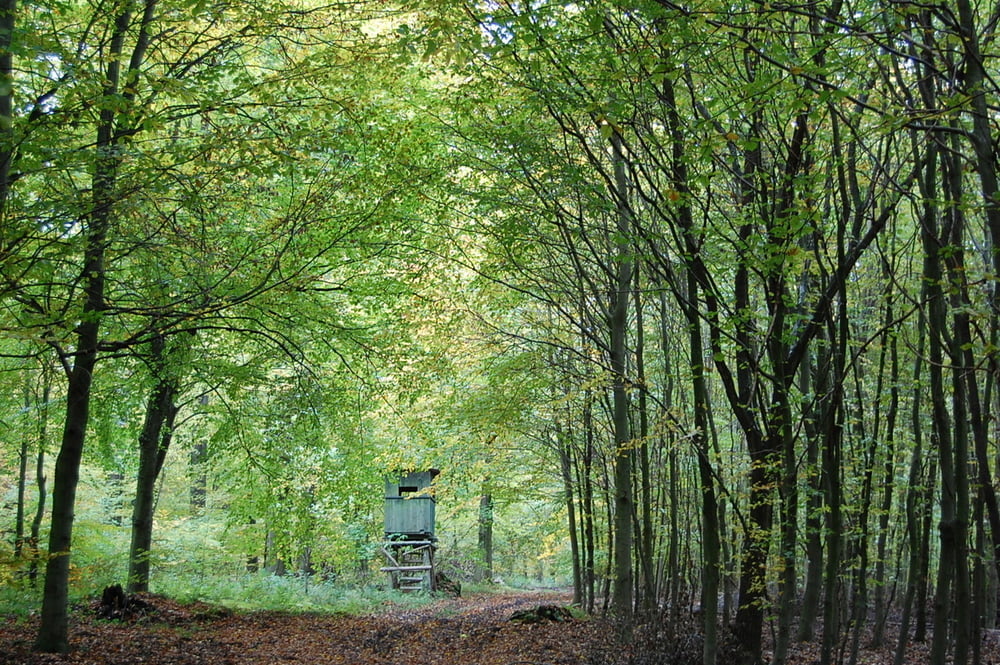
x: 474, y: 630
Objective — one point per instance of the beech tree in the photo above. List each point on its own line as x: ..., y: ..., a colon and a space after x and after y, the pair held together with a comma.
x: 129, y: 252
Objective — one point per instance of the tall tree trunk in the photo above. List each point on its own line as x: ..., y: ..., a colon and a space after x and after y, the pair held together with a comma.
x: 763, y: 447
x: 689, y: 292
x: 918, y: 510
x: 979, y: 586
x: 924, y: 569
x: 53, y: 632
x: 781, y: 430
x: 938, y: 335
x: 623, y: 501
x: 954, y: 447
x: 606, y: 485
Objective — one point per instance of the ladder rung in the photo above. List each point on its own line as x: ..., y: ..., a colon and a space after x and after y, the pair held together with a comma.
x: 394, y: 569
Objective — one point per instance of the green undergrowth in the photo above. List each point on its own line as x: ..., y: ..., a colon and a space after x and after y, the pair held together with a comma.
x: 291, y: 593
x: 247, y: 593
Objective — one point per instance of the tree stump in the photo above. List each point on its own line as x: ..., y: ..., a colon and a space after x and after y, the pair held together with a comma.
x: 542, y: 613
x: 116, y: 605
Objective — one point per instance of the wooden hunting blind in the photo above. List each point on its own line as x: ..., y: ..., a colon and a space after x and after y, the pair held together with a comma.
x: 409, y: 530
x: 409, y: 505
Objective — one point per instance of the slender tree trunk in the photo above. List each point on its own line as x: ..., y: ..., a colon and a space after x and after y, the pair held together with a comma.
x: 706, y: 482
x: 197, y: 463
x: 622, y: 598
x: 22, y: 478
x: 8, y: 16
x: 832, y: 454
x: 979, y: 586
x: 53, y: 630
x: 485, y: 535
x: 607, y: 583
x: 789, y: 496
x: 914, y: 501
x: 674, y: 547
x: 673, y: 479
x: 198, y: 469
x: 40, y: 480
x: 888, y: 483
x: 8, y: 21
x: 589, y: 535
x: 814, y: 505
x: 566, y: 469
x: 690, y: 303
x: 36, y: 522
x: 154, y: 442
x: 918, y: 508
x: 859, y: 608
x: 649, y: 593
x: 780, y: 416
x: 923, y: 571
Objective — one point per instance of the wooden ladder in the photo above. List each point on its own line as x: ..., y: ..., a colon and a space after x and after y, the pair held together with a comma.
x: 410, y: 564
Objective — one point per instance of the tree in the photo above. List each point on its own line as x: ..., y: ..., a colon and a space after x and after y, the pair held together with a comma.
x: 154, y: 441
x: 151, y: 84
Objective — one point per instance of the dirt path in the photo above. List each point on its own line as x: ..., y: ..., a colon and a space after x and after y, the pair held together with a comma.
x: 486, y: 606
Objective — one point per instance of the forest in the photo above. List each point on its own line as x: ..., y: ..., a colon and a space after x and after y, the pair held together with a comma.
x: 695, y: 306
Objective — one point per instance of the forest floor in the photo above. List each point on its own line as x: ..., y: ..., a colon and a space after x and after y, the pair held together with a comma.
x: 476, y: 630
